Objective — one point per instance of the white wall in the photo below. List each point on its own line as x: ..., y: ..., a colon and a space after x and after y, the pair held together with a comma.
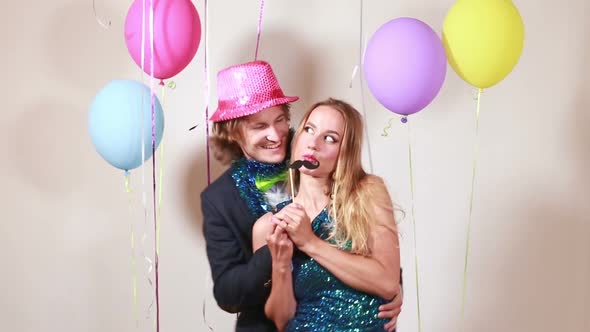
x: 66, y: 218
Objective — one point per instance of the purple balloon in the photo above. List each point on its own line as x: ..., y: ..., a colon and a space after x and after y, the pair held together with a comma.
x: 405, y: 65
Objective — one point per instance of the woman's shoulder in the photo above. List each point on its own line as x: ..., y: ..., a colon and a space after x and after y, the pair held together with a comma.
x: 375, y: 189
x: 374, y: 185
x: 373, y: 179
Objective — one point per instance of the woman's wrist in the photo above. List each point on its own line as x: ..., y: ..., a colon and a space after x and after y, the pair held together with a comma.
x: 310, y: 247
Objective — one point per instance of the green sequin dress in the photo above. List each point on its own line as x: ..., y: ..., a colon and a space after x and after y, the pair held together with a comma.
x: 324, y: 303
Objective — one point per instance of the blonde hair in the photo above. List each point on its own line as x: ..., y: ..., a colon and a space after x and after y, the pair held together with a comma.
x: 226, y: 135
x: 353, y: 193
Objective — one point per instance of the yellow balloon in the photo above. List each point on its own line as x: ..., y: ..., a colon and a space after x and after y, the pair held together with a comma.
x: 483, y: 40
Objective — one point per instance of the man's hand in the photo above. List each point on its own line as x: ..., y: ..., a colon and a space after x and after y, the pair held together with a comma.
x: 261, y: 229
x: 281, y: 249
x: 392, y: 310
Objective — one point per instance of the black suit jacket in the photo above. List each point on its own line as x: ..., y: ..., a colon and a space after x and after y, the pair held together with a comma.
x: 239, y: 276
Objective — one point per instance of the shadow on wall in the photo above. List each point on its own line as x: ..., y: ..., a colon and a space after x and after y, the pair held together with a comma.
x: 579, y: 123
x: 522, y: 276
x: 294, y: 69
x: 580, y: 149
x: 534, y: 265
x: 79, y: 51
x: 295, y: 66
x: 50, y: 146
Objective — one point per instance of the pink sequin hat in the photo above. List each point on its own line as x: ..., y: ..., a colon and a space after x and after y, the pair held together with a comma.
x: 246, y: 89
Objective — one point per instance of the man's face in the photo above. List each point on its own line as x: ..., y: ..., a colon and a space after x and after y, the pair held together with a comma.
x: 265, y: 135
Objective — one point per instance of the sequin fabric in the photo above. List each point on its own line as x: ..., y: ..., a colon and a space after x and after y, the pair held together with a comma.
x: 324, y: 303
x: 244, y: 173
x: 246, y: 89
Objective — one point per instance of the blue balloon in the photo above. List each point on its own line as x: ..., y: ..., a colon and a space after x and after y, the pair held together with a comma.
x: 115, y: 123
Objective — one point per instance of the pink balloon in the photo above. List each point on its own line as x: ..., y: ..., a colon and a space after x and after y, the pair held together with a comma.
x: 177, y: 33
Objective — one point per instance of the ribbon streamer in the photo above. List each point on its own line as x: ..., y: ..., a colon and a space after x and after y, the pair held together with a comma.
x: 98, y: 18
x: 414, y: 224
x: 473, y: 176
x: 259, y: 29
x: 207, y: 286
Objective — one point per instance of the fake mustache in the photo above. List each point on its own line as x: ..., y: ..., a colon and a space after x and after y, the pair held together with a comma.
x: 305, y: 163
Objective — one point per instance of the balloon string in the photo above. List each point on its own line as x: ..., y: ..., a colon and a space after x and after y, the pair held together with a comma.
x: 142, y: 117
x: 414, y: 224
x: 127, y: 187
x: 133, y: 261
x: 259, y: 29
x: 353, y: 75
x: 144, y: 236
x: 473, y: 176
x: 142, y: 40
x: 206, y: 69
x: 156, y: 225
x: 134, y: 272
x: 160, y: 180
x: 361, y: 79
x: 207, y: 148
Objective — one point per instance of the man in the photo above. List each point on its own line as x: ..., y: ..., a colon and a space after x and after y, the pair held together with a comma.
x: 250, y: 129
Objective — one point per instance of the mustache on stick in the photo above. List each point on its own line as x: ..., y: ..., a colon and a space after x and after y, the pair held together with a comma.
x: 297, y: 165
x: 305, y: 163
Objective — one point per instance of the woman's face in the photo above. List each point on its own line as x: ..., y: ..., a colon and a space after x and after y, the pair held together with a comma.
x: 320, y: 141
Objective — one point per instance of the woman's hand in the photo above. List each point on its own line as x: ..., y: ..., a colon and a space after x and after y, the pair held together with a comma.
x: 294, y: 220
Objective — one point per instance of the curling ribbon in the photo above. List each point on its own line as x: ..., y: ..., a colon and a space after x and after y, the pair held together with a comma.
x: 387, y: 128
x: 98, y: 19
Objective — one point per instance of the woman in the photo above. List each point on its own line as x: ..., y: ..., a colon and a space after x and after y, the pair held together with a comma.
x: 347, y: 263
